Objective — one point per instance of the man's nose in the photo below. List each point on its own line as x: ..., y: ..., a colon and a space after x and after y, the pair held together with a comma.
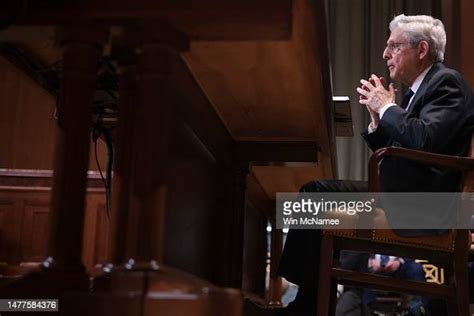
x: 386, y: 53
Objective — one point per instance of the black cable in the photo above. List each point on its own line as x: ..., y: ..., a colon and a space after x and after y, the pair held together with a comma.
x: 107, y: 82
x: 108, y: 172
x: 98, y: 163
x: 97, y: 131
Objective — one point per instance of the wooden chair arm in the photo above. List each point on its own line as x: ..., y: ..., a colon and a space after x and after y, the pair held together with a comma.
x: 454, y: 162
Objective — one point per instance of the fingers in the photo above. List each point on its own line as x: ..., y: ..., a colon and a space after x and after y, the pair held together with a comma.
x: 363, y: 92
x: 366, y: 89
x: 376, y: 80
x: 373, y: 84
x: 363, y: 100
x: 366, y: 84
x: 391, y: 88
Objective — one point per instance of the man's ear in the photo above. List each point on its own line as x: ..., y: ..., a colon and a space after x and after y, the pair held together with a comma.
x: 423, y: 49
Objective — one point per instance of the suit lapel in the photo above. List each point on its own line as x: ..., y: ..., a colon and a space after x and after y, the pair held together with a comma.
x: 417, y: 99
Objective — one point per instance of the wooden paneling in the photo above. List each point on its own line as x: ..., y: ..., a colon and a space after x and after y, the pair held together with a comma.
x: 27, y: 123
x: 273, y: 90
x: 255, y: 87
x: 24, y: 218
x: 96, y: 224
x: 207, y: 126
x: 35, y: 230
x: 24, y: 225
x: 193, y: 217
x: 10, y: 222
x: 267, y: 89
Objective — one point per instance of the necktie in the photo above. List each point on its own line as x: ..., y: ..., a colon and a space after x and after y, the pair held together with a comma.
x: 384, y: 260
x: 406, y: 98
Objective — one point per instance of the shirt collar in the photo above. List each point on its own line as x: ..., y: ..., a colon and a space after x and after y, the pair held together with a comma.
x: 417, y: 83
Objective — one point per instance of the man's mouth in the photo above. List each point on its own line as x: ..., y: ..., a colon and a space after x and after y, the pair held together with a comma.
x: 390, y: 67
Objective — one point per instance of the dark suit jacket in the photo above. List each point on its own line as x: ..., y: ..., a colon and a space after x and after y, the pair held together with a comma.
x: 440, y: 119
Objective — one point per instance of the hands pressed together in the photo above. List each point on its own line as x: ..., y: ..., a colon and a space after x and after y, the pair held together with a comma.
x: 374, y: 96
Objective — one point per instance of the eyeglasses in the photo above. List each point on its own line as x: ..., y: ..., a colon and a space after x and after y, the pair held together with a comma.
x: 394, y: 48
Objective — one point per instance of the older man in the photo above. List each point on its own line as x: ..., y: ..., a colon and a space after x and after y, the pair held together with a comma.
x: 436, y: 115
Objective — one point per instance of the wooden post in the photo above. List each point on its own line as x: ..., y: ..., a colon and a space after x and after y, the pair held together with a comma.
x: 128, y: 89
x: 82, y: 49
x: 276, y: 289
x: 159, y: 53
x: 240, y: 172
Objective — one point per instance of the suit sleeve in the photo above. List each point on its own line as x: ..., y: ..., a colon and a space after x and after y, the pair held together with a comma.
x: 375, y: 140
x: 446, y: 105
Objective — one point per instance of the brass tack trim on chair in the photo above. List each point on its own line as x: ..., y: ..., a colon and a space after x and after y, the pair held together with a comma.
x: 420, y: 244
x: 337, y: 232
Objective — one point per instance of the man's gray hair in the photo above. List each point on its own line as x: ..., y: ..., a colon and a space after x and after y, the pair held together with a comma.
x: 418, y: 28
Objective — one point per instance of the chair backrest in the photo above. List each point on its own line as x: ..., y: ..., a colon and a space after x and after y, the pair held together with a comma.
x: 456, y: 241
x: 468, y: 180
x: 463, y: 236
